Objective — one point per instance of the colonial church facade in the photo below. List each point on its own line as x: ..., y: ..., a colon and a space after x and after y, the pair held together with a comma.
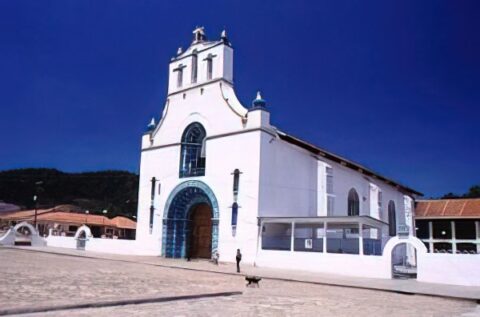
x: 216, y: 176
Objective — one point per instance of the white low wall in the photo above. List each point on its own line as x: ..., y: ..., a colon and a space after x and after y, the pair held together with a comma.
x: 61, y: 242
x: 8, y: 238
x: 455, y: 269
x: 116, y: 246
x: 342, y: 264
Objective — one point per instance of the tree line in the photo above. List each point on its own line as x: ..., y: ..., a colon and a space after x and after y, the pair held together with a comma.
x: 473, y: 192
x: 114, y: 191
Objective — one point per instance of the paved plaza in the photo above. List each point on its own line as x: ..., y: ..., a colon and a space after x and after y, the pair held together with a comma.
x: 33, y: 279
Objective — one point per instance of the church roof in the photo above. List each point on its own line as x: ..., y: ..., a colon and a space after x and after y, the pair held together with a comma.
x: 448, y: 208
x: 343, y: 161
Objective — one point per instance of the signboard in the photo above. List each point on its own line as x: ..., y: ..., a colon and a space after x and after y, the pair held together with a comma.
x: 403, y: 231
x: 308, y: 243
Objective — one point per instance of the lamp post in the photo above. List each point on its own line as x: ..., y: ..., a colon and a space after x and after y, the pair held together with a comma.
x: 35, y: 198
x: 35, y: 217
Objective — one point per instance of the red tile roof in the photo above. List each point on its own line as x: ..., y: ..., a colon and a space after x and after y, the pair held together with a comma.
x: 54, y: 215
x: 448, y: 208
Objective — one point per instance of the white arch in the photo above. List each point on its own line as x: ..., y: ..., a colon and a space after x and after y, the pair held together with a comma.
x: 413, y: 241
x: 195, y: 117
x: 32, y: 229
x: 88, y: 232
x: 9, y: 237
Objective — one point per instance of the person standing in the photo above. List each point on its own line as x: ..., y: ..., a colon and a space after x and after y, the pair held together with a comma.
x: 238, y: 258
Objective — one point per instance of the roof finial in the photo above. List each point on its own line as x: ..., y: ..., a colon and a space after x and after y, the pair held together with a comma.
x: 259, y: 102
x: 151, y: 126
x: 224, y: 38
x: 179, y: 51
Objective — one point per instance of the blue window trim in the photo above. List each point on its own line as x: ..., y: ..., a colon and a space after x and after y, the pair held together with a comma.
x: 234, y: 214
x: 192, y: 156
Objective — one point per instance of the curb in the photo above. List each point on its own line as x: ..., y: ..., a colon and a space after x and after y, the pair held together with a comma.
x: 121, y: 302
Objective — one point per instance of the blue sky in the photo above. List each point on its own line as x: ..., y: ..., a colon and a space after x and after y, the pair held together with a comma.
x: 393, y: 85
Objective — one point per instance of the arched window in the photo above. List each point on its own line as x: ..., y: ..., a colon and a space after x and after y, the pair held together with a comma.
x: 353, y: 203
x: 194, y: 67
x: 234, y: 214
x: 392, y: 219
x: 192, y: 159
x: 236, y: 180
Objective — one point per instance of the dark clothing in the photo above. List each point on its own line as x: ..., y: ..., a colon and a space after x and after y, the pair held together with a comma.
x: 238, y: 258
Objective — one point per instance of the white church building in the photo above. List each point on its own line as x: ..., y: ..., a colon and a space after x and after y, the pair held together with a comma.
x: 217, y: 176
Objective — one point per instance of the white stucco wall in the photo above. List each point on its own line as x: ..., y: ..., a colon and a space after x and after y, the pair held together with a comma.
x: 290, y: 185
x: 222, y: 65
x: 61, y: 242
x: 339, y: 264
x: 288, y: 180
x: 455, y: 269
x: 115, y: 246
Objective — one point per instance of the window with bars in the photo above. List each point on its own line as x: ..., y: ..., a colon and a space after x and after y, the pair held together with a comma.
x: 330, y: 205
x: 192, y: 160
x: 329, y: 190
x: 329, y: 173
x: 380, y: 197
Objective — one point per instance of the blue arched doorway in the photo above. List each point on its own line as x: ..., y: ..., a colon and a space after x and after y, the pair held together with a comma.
x: 190, y: 216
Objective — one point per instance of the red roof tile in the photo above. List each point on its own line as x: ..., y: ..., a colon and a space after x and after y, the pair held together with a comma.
x: 448, y: 208
x: 70, y: 217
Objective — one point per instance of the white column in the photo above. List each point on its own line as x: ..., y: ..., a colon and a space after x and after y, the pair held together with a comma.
x: 430, y: 236
x: 360, y: 238
x: 325, y: 237
x: 454, y: 239
x: 292, y: 237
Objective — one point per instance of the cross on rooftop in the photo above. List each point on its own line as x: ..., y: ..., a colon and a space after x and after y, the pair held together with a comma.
x: 199, y: 34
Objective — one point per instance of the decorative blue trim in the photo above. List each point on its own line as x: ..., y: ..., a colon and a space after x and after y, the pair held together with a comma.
x: 176, y: 217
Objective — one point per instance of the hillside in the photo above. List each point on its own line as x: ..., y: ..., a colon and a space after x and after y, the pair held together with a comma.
x: 115, y: 191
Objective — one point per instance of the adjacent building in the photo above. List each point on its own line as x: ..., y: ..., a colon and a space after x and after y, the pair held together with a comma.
x: 449, y: 225
x: 65, y: 220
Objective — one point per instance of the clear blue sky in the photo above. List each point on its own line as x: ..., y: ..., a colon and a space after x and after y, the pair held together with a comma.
x: 393, y: 85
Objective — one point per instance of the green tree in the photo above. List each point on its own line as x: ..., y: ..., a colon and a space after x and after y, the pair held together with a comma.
x: 473, y: 192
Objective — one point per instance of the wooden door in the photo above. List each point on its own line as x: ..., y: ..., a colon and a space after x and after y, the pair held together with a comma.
x: 201, y: 232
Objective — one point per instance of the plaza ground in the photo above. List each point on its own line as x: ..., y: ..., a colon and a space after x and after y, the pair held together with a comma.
x: 33, y: 279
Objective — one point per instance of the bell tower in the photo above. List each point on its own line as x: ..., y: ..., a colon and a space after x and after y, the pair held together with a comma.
x: 202, y: 63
